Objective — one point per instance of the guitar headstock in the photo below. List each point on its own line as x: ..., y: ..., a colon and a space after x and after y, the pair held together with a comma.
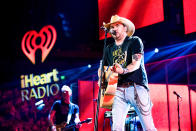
x: 88, y: 120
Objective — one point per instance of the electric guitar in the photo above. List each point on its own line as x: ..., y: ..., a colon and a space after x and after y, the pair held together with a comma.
x: 64, y: 127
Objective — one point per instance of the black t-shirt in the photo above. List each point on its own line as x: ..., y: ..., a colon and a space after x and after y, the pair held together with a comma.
x: 123, y: 55
x: 62, y: 109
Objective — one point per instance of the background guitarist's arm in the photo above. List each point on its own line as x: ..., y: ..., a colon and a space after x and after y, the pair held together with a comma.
x: 77, y: 119
x: 51, y: 120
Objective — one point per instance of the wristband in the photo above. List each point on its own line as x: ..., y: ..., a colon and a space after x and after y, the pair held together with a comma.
x: 125, y: 70
x: 53, y: 127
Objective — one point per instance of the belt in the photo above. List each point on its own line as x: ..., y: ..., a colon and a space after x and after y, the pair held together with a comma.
x: 126, y: 84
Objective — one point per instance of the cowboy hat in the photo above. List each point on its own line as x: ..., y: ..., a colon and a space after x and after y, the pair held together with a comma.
x: 126, y: 22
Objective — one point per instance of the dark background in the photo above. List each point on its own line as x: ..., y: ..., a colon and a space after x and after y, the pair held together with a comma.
x: 77, y: 28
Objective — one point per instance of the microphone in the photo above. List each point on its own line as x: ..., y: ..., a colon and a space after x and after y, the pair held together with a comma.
x: 177, y: 94
x: 113, y: 32
x: 104, y: 28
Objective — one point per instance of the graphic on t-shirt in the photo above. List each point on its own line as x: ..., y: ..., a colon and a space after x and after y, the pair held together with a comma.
x: 119, y: 56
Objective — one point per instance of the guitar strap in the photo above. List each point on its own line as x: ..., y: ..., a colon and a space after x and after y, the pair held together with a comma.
x: 126, y: 45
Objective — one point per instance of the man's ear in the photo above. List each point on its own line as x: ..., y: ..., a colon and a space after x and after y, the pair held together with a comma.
x: 126, y: 28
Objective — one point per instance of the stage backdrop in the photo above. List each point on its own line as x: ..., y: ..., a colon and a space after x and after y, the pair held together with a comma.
x: 165, y: 77
x: 164, y: 109
x: 138, y: 11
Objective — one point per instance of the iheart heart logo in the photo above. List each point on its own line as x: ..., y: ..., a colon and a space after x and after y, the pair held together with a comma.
x: 44, y: 40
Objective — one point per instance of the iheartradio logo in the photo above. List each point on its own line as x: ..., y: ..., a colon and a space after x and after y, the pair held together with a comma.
x: 47, y: 38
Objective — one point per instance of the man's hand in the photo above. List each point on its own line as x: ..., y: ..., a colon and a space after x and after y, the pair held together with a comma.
x: 63, y: 124
x: 78, y: 125
x: 53, y: 128
x: 117, y: 68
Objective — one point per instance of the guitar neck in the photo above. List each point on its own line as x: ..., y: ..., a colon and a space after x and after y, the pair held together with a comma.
x: 74, y: 125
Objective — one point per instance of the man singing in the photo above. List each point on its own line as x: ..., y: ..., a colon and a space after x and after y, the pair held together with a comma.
x: 126, y: 55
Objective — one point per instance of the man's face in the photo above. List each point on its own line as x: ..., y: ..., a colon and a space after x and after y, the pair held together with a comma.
x: 66, y: 96
x: 119, y: 30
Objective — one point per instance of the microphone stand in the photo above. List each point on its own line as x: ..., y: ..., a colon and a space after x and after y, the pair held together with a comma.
x: 99, y: 93
x: 178, y: 108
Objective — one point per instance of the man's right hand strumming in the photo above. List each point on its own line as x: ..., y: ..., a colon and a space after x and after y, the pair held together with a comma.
x: 53, y: 128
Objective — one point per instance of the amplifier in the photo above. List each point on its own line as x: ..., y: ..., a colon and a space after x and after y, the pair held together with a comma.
x: 108, y: 114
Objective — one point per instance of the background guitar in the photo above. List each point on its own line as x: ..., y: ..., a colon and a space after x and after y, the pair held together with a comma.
x: 61, y: 126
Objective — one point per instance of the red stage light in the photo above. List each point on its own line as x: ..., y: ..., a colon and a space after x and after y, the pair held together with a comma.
x: 140, y: 12
x: 189, y: 16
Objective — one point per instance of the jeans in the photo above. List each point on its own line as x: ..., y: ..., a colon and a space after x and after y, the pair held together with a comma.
x: 139, y: 98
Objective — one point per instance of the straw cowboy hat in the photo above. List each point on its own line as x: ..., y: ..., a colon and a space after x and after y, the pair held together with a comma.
x: 128, y: 23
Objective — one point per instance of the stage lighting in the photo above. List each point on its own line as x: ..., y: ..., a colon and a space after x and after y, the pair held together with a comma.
x: 40, y: 105
x: 156, y: 50
x: 89, y: 65
x: 62, y: 77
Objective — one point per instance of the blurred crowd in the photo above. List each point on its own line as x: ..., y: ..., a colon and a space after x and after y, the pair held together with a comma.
x: 18, y: 115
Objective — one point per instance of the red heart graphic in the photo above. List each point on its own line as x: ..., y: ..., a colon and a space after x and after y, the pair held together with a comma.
x: 47, y: 36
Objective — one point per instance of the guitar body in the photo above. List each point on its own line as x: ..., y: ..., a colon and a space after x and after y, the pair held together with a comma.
x: 58, y: 127
x: 108, y: 93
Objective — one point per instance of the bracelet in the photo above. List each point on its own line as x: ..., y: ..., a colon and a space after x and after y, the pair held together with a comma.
x: 125, y: 70
x: 53, y: 127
